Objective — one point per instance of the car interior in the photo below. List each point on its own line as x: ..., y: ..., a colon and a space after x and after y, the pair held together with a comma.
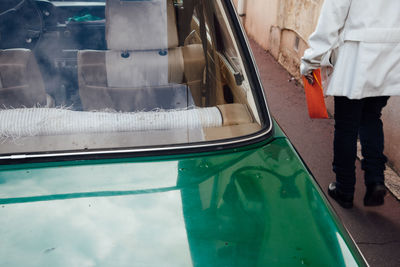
x: 120, y: 73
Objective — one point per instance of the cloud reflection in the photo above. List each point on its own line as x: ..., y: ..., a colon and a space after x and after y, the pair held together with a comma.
x: 67, y: 179
x: 140, y: 230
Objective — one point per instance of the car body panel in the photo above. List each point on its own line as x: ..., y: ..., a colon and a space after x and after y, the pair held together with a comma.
x: 238, y: 196
x: 255, y: 207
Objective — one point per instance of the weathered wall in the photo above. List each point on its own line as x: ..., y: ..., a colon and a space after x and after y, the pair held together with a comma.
x: 275, y: 25
x: 299, y: 16
x: 282, y: 27
x: 260, y: 16
x: 391, y: 122
x: 296, y: 21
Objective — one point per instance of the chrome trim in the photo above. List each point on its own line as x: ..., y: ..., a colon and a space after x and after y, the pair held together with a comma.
x: 77, y: 3
x: 355, y: 244
x: 341, y: 221
x: 253, y: 62
x: 134, y: 150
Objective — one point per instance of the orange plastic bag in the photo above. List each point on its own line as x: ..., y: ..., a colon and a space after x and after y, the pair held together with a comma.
x: 315, y: 97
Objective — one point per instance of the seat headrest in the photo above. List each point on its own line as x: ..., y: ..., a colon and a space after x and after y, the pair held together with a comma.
x: 141, y: 24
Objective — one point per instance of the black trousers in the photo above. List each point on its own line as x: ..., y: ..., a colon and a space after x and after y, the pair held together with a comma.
x: 361, y: 117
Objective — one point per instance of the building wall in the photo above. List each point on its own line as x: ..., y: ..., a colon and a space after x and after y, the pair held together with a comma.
x: 260, y: 16
x: 391, y: 122
x: 282, y: 27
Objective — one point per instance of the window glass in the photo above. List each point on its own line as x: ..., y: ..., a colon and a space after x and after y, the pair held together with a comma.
x: 82, y: 76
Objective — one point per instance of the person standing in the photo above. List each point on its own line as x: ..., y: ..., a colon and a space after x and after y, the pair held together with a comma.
x: 360, y: 40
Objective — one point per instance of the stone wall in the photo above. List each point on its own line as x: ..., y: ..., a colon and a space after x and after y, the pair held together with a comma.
x: 391, y: 122
x: 282, y: 27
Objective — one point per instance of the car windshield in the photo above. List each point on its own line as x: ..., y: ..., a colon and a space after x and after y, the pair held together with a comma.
x: 101, y: 75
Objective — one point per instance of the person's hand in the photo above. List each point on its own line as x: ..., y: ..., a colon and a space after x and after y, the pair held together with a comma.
x: 310, y: 78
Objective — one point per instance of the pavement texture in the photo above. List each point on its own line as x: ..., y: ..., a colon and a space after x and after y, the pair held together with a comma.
x: 376, y: 230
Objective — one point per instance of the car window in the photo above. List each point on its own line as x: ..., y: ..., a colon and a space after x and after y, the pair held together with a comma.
x: 120, y: 75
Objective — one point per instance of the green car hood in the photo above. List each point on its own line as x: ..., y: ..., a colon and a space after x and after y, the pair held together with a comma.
x: 254, y: 207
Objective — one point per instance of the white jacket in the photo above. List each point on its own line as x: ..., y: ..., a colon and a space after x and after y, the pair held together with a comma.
x: 361, y: 40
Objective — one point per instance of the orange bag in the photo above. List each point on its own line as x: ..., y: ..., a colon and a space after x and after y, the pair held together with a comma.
x: 315, y: 97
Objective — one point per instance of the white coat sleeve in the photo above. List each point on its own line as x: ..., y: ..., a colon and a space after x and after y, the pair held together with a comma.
x: 326, y: 36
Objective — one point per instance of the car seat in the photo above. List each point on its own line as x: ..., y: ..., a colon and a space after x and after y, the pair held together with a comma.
x: 143, y: 68
x: 21, y: 83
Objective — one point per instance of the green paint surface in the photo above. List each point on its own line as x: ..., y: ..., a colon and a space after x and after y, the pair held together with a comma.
x: 251, y: 207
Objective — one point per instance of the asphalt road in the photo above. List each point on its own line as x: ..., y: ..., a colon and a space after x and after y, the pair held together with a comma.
x: 376, y: 230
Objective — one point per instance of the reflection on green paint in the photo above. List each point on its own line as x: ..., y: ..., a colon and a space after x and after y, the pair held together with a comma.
x: 255, y: 207
x: 259, y: 212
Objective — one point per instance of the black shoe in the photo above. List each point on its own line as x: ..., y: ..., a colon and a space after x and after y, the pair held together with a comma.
x: 375, y: 195
x: 346, y: 201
